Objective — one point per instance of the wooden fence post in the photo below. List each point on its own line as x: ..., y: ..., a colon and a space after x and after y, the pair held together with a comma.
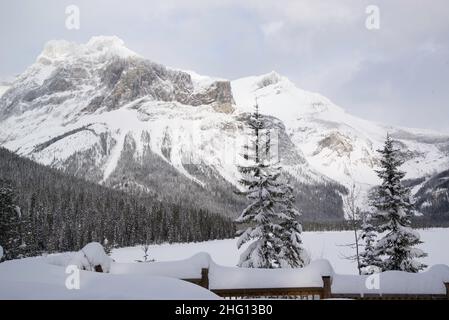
x: 446, y: 284
x: 327, y: 292
x: 205, y: 278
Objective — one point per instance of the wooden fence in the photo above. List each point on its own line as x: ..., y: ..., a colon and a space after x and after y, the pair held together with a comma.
x: 308, y: 293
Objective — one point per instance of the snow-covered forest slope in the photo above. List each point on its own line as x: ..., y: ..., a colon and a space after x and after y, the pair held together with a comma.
x: 59, y: 212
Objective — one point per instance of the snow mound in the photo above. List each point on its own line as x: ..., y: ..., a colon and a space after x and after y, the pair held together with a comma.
x: 221, y: 277
x: 243, y: 278
x: 91, y: 256
x: 182, y: 269
x: 32, y: 278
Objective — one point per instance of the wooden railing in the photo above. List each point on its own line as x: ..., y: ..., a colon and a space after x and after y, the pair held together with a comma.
x: 312, y: 293
x: 203, y: 281
x: 308, y: 293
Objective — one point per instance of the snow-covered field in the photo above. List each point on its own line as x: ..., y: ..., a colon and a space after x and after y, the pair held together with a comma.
x: 330, y: 245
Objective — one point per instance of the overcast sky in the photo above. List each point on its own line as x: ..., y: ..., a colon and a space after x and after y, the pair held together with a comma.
x: 398, y: 74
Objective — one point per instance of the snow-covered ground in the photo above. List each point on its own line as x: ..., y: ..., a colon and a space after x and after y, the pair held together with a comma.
x: 330, y: 245
x: 54, y: 277
x: 46, y: 277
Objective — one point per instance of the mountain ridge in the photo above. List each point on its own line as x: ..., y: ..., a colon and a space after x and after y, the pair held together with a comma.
x: 98, y: 109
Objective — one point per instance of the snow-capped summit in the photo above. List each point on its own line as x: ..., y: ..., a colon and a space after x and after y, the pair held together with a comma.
x: 278, y: 96
x: 335, y: 143
x: 96, y: 46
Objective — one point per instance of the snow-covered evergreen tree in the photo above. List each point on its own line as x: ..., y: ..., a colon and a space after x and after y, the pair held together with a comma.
x: 291, y: 252
x: 370, y: 262
x: 270, y: 218
x: 392, y: 216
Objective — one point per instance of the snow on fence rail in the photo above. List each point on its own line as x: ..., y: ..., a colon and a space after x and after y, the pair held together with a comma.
x: 431, y: 284
x: 182, y: 269
x: 310, y: 282
x: 315, y: 281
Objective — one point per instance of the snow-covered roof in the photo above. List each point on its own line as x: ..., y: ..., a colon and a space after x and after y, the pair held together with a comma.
x: 182, y: 269
x: 44, y: 278
x: 394, y: 282
x: 35, y: 278
x: 242, y: 278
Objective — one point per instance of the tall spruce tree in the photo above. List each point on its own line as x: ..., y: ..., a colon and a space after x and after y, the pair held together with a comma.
x: 270, y: 218
x: 392, y: 216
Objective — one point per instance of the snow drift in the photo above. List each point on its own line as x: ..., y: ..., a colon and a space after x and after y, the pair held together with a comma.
x: 90, y: 257
x: 45, y: 278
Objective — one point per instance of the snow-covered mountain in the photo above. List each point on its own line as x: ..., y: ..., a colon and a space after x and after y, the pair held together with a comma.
x: 102, y: 112
x: 335, y: 143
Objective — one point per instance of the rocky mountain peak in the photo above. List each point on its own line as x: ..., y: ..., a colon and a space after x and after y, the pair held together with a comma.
x: 103, y: 75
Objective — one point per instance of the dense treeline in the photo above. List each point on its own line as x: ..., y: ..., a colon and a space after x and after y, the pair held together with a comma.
x: 59, y: 212
x: 419, y: 222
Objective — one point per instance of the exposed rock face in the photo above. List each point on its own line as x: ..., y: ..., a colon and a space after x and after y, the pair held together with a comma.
x: 336, y: 142
x: 129, y: 79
